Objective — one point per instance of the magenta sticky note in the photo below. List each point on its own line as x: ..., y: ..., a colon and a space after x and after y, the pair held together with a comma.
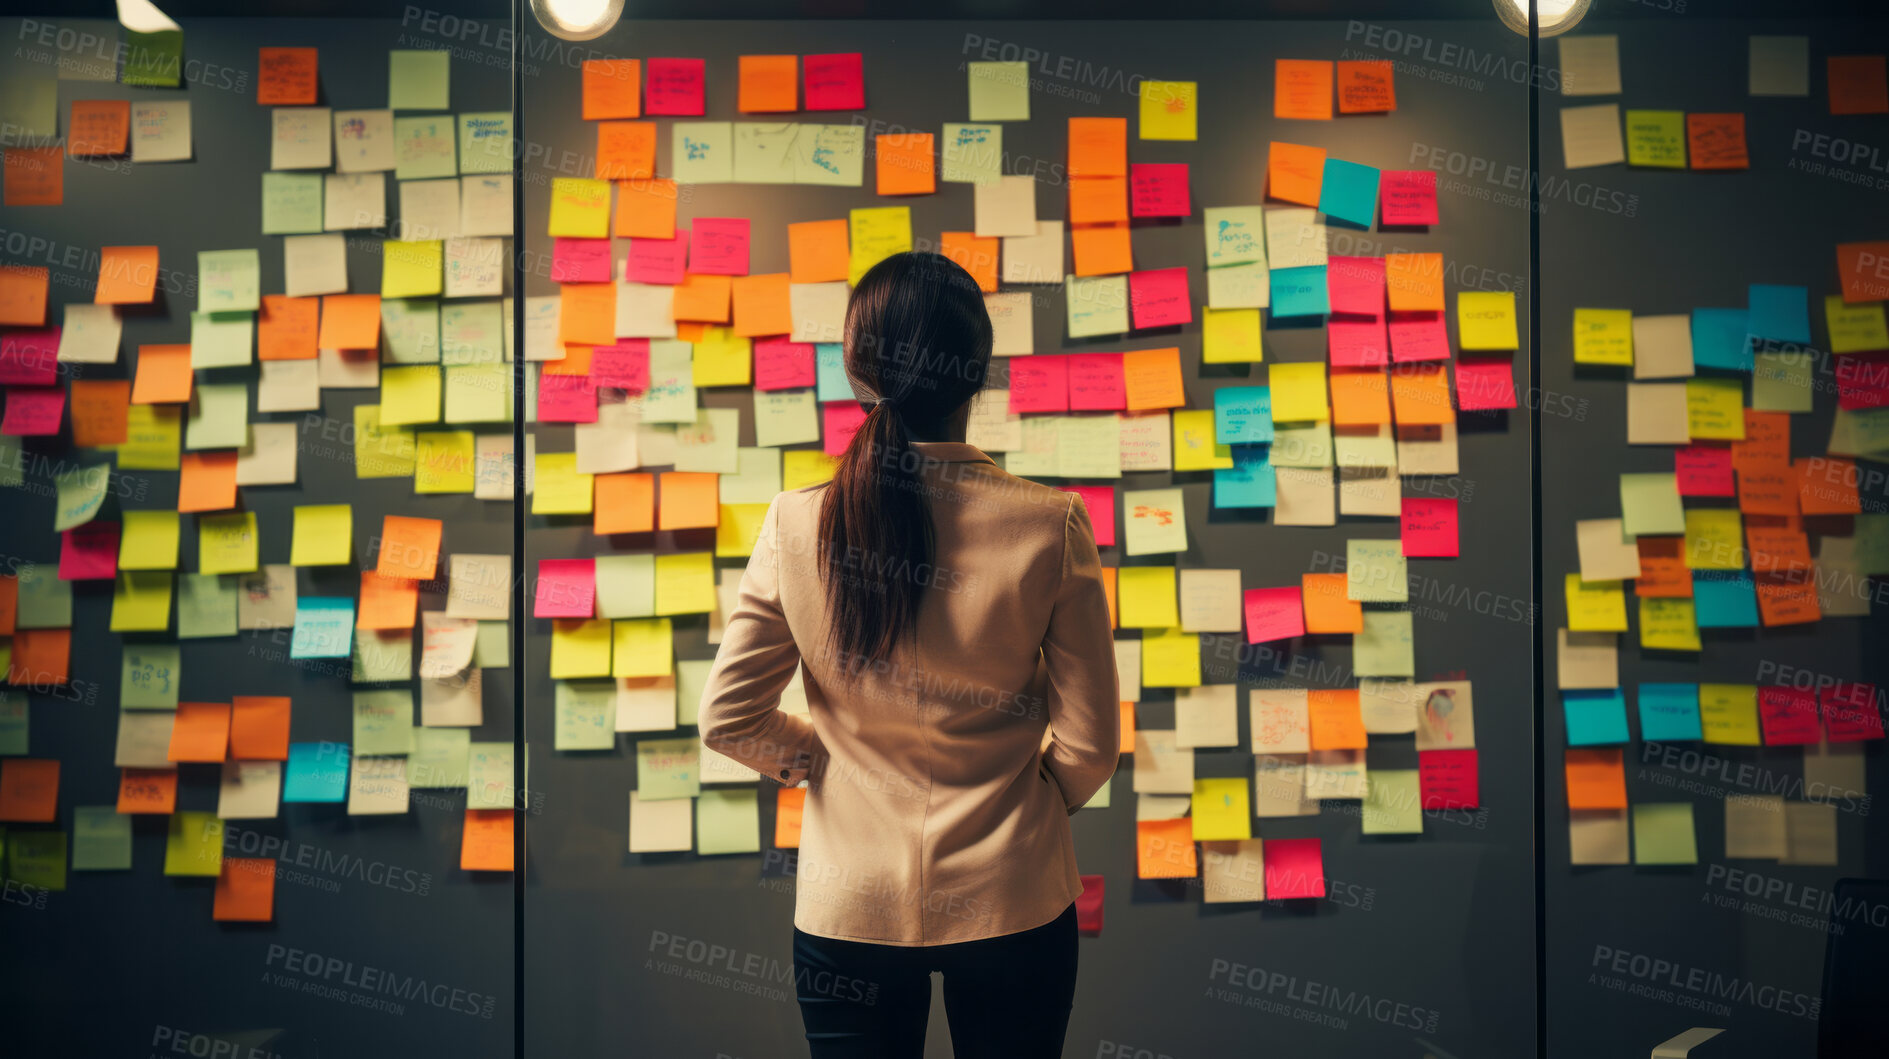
x: 580, y: 260
x: 1357, y: 341
x: 1096, y: 382
x: 1484, y: 383
x: 1039, y: 384
x: 1158, y: 189
x: 1789, y: 716
x: 624, y: 366
x: 89, y: 552
x: 834, y: 82
x: 658, y: 261
x: 1099, y: 502
x: 33, y: 411
x: 719, y: 246
x: 839, y: 421
x: 783, y: 365
x: 1850, y: 713
x: 1429, y: 528
x: 1158, y: 298
x: 1704, y: 470
x: 1418, y: 336
x: 1295, y: 867
x: 567, y: 588
x: 30, y: 358
x: 1407, y: 196
x: 1355, y: 285
x: 566, y: 399
x: 676, y: 87
x: 1274, y: 614
x: 1446, y: 779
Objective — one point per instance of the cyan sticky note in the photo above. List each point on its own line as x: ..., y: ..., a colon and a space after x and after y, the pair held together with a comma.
x: 324, y: 627
x: 1300, y: 291
x: 317, y: 772
x: 1596, y: 717
x: 1669, y: 712
x: 1721, y: 338
x: 1249, y: 482
x: 1724, y: 599
x: 1242, y: 415
x: 1779, y: 313
x: 1349, y: 192
x: 830, y: 357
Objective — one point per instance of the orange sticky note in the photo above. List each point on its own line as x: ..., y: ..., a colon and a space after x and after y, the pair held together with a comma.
x: 286, y: 328
x: 904, y: 164
x: 817, y: 251
x: 100, y: 409
x: 1365, y: 86
x: 207, y: 481
x: 1663, y: 569
x: 147, y: 791
x: 626, y: 150
x: 575, y: 361
x: 1597, y: 778
x: 387, y: 602
x: 613, y: 88
x: 1301, y: 88
x: 286, y: 77
x: 1863, y: 270
x: 1164, y: 849
x: 9, y: 603
x: 769, y: 84
x: 350, y: 321
x: 1327, y: 610
x: 1151, y: 378
x: 1098, y: 200
x: 1420, y: 395
x: 1098, y: 147
x: 201, y: 732
x: 762, y: 305
x: 163, y: 375
x: 975, y: 255
x: 1784, y: 599
x: 703, y: 299
x: 1337, y: 719
x: 1827, y: 485
x: 409, y: 547
x: 1414, y: 282
x: 127, y: 275
x: 646, y: 209
x: 1101, y: 249
x: 623, y: 503
x: 259, y: 728
x: 1108, y: 589
x: 245, y: 890
x: 587, y: 313
x: 1360, y: 397
x: 29, y: 790
x: 690, y: 500
x: 1858, y: 84
x: 487, y: 842
x: 40, y: 657
x: 1295, y: 173
x: 99, y: 128
x: 1127, y: 727
x: 789, y: 803
x: 1716, y: 141
x: 23, y: 295
x: 34, y: 176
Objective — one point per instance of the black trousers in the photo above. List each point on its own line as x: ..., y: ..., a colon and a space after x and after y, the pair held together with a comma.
x: 1004, y: 997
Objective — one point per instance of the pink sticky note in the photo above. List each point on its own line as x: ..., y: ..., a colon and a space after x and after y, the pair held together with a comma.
x: 1418, y: 336
x: 1039, y: 384
x: 1357, y: 341
x: 720, y: 246
x: 567, y: 588
x: 833, y: 82
x: 660, y: 261
x: 676, y: 87
x: 1096, y: 382
x: 1089, y: 905
x: 840, y: 420
x: 1407, y: 196
x: 1274, y: 614
x: 1295, y: 867
x: 1849, y: 712
x: 1704, y: 470
x: 580, y: 260
x: 1158, y: 298
x: 1099, y: 501
x: 1484, y: 383
x: 566, y: 399
x: 33, y: 411
x: 1429, y: 528
x: 624, y: 366
x: 30, y: 358
x: 1356, y: 285
x: 1862, y: 381
x: 1789, y: 716
x: 783, y: 365
x: 1158, y: 189
x: 89, y: 552
x: 1446, y: 779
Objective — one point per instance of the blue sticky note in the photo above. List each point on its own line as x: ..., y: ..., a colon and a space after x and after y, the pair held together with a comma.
x: 1349, y: 192
x: 1781, y: 314
x: 1724, y: 599
x: 1242, y: 415
x: 317, y: 772
x: 831, y: 360
x: 1300, y: 291
x: 324, y: 627
x: 1596, y: 717
x: 1249, y: 483
x: 1669, y: 712
x: 1721, y: 338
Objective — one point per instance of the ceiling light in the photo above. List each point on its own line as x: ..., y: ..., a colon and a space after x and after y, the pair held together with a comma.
x: 577, y: 19
x: 1557, y: 16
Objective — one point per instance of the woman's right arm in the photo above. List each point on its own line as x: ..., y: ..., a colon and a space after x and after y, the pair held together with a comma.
x: 1079, y: 653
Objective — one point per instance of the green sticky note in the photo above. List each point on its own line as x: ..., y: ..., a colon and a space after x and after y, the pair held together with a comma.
x: 219, y: 416
x: 149, y: 540
x: 15, y: 722
x: 418, y: 79
x: 44, y: 601
x: 626, y: 586
x: 81, y: 494
x: 153, y: 438
x: 141, y: 601
x: 971, y: 154
x: 382, y: 655
x: 691, y: 682
x: 221, y: 340
x: 424, y: 149
x: 409, y: 395
x: 728, y: 820
x: 206, y: 605
x: 154, y: 60
x: 383, y: 721
x: 1649, y: 504
x: 1393, y: 804
x: 29, y: 104
x: 1375, y: 572
x: 195, y: 845
x: 291, y: 203
x: 37, y: 858
x: 1656, y: 138
x: 586, y: 715
x: 1662, y: 833
x: 380, y: 452
x: 485, y: 142
x: 438, y: 758
x: 12, y: 467
x: 409, y: 330
x: 479, y: 393
x: 472, y: 332
x: 226, y: 543
x: 101, y: 839
x: 1385, y: 647
x: 493, y: 647
x: 489, y: 776
x: 229, y: 281
x: 150, y: 674
x: 668, y: 768
x: 1000, y: 91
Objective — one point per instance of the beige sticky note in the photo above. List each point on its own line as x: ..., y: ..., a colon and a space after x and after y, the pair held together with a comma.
x: 1662, y: 346
x: 1161, y: 766
x: 1598, y: 836
x: 1587, y: 659
x: 1810, y: 833
x: 1304, y: 496
x: 1281, y: 721
x: 1607, y: 553
x: 1755, y: 827
x: 1656, y: 414
x: 1590, y: 65
x: 1210, y: 600
x: 1279, y: 787
x: 1206, y: 716
x: 1590, y: 136
x: 1006, y: 207
x: 1232, y: 870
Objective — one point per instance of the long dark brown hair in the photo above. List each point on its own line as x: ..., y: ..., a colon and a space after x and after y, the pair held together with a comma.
x: 917, y: 348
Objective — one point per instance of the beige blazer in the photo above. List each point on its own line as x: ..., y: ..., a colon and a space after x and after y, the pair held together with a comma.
x: 940, y: 781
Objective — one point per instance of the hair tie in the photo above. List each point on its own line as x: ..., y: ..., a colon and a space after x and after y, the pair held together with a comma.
x: 886, y: 403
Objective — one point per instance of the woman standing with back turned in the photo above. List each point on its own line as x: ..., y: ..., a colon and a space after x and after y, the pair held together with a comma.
x: 961, y: 695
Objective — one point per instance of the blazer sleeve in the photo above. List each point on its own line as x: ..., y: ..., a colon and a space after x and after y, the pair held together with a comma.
x: 740, y: 712
x: 1079, y: 653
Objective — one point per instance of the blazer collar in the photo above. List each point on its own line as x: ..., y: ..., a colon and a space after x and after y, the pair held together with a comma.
x: 950, y: 452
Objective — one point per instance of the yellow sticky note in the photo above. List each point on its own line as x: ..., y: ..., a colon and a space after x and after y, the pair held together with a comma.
x: 1715, y: 409
x: 445, y: 461
x: 739, y: 528
x: 643, y: 648
x: 1715, y: 539
x: 557, y: 488
x: 1229, y: 336
x: 580, y: 208
x: 1170, y: 658
x: 141, y: 601
x: 1728, y: 713
x: 154, y: 436
x: 1145, y: 596
x: 580, y: 648
x: 1221, y: 810
x: 1169, y: 110
x: 723, y: 358
x: 1856, y: 328
x: 804, y: 467
x: 324, y: 535
x: 1298, y: 393
x: 1656, y: 138
x: 410, y: 268
x: 877, y: 234
x: 1668, y: 624
x: 226, y: 544
x: 1596, y: 606
x: 195, y: 845
x: 1603, y: 336
x: 1486, y: 320
x: 685, y: 584
x: 409, y: 394
x: 380, y: 452
x: 1194, y: 445
x: 149, y: 540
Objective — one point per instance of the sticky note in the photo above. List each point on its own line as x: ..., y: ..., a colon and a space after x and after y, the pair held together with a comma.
x: 1656, y: 138
x: 1169, y: 110
x: 1349, y: 192
x: 1669, y: 712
